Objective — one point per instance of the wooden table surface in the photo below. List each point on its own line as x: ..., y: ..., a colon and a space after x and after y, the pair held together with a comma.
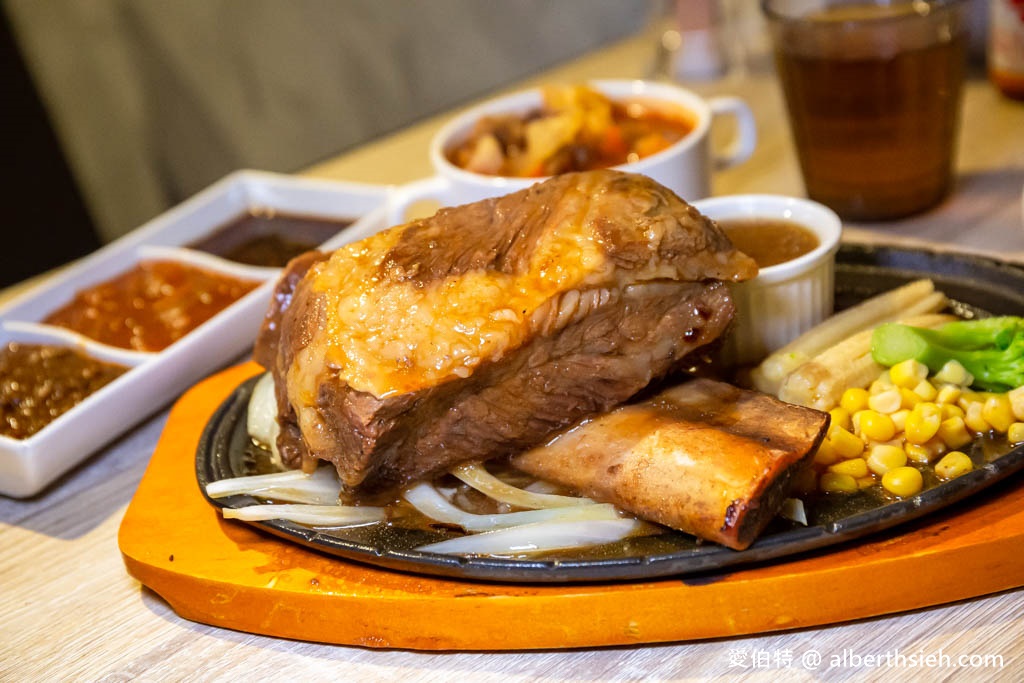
x: 69, y: 611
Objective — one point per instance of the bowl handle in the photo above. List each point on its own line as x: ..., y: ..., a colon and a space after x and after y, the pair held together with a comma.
x: 742, y: 145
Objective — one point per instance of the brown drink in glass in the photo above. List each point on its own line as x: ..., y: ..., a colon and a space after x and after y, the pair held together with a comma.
x: 873, y: 93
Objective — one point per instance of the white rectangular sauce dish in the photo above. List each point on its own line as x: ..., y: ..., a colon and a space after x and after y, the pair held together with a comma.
x: 153, y: 379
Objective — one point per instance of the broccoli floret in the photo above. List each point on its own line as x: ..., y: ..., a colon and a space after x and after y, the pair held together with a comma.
x: 991, y: 349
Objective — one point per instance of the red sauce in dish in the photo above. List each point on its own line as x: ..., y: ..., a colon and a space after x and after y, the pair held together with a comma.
x: 151, y: 306
x: 39, y: 383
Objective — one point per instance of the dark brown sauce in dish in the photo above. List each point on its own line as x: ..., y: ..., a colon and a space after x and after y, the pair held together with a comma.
x: 267, y: 238
x: 769, y: 241
x: 151, y: 306
x: 39, y: 383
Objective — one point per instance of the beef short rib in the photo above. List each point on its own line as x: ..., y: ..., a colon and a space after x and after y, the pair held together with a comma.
x: 487, y: 328
x: 703, y: 457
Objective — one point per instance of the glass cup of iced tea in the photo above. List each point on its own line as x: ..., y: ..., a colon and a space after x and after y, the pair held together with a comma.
x: 873, y: 90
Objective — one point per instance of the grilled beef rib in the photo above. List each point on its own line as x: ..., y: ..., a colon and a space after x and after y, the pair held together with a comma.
x: 485, y: 329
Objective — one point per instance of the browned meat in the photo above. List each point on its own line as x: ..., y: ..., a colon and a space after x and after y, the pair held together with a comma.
x: 272, y: 348
x: 703, y: 457
x: 487, y: 328
x: 265, y: 351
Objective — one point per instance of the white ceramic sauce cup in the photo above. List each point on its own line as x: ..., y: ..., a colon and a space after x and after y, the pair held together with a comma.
x: 684, y: 167
x: 787, y: 299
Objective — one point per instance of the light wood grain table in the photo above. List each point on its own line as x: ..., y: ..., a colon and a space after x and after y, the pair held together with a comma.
x: 68, y: 610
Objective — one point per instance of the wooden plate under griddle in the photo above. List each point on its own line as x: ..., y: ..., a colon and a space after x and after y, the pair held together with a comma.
x: 234, y: 575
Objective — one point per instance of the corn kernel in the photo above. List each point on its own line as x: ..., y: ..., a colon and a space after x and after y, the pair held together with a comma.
x: 899, y: 419
x: 937, y: 446
x: 973, y: 419
x: 854, y: 399
x: 996, y: 411
x: 953, y: 464
x: 826, y: 454
x: 876, y: 426
x: 949, y: 393
x: 953, y: 433
x: 1015, y: 434
x: 885, y: 457
x: 923, y: 422
x: 918, y: 453
x: 1017, y: 402
x: 840, y: 418
x: 844, y: 443
x: 951, y: 410
x: 954, y: 373
x: 967, y: 398
x: 903, y: 481
x: 855, y: 467
x: 908, y: 373
x: 908, y: 398
x: 888, y: 401
x: 866, y: 482
x: 881, y: 384
x: 833, y: 482
x: 926, y: 390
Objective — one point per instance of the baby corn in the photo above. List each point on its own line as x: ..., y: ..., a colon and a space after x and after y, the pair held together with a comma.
x: 911, y: 299
x: 820, y: 382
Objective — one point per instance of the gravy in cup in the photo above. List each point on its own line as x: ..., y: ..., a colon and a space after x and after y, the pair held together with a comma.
x: 770, y: 241
x: 790, y: 296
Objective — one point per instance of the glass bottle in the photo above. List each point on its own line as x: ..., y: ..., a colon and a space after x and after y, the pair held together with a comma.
x: 1006, y: 46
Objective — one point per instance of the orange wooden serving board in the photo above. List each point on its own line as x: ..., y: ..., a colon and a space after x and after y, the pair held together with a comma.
x: 228, y: 574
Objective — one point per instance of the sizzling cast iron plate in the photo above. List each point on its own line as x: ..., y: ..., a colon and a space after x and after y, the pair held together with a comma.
x: 976, y: 285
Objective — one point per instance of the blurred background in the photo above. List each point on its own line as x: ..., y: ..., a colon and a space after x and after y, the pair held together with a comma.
x: 118, y: 109
x: 122, y: 108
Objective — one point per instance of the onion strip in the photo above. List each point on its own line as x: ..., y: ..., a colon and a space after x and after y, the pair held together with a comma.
x: 294, y: 486
x: 261, y: 415
x: 477, y: 476
x: 538, y: 537
x: 793, y: 510
x: 313, y: 515
x: 429, y: 502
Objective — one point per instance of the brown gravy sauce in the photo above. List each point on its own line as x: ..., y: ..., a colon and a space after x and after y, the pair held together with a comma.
x: 769, y: 241
x: 267, y: 238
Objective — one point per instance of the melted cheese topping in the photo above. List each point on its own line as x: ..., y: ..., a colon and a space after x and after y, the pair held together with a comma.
x: 385, y: 337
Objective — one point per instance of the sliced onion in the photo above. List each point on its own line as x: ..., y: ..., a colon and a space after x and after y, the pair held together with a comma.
x: 540, y: 486
x: 539, y: 537
x: 320, y: 488
x: 313, y: 515
x: 261, y: 415
x: 477, y: 476
x: 793, y: 510
x: 425, y: 498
